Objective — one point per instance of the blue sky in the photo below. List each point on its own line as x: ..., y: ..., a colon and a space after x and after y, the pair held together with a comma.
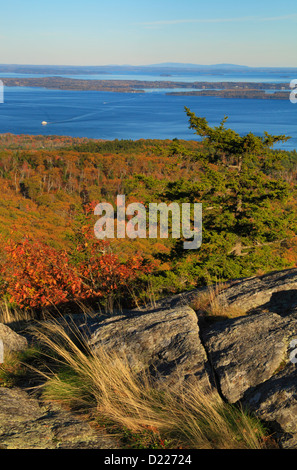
x: 137, y: 32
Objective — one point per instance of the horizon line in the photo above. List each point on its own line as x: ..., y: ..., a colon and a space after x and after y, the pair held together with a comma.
x: 164, y: 64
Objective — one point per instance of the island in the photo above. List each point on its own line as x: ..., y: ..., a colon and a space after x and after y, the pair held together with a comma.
x: 247, y: 90
x: 239, y: 94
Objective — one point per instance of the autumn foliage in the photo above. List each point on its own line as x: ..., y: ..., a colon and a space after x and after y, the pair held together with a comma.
x: 248, y: 191
x: 35, y: 275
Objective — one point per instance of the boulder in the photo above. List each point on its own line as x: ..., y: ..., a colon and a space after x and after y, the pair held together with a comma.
x: 252, y: 356
x: 276, y: 401
x: 165, y: 339
x: 25, y: 423
x: 276, y: 292
x: 247, y: 351
x: 11, y: 340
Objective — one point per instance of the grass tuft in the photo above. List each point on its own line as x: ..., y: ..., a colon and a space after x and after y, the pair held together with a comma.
x: 136, y: 406
x: 212, y: 305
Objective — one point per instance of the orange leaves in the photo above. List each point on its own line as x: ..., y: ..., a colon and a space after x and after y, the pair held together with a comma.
x: 36, y: 275
x: 105, y: 272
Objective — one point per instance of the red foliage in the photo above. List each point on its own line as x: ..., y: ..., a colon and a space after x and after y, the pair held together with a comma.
x: 37, y: 275
x: 102, y: 269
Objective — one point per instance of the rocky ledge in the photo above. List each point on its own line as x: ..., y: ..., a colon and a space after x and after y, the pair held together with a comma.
x: 250, y: 359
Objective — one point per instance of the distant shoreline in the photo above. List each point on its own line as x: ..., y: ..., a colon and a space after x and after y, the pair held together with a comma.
x: 244, y: 90
x: 236, y: 94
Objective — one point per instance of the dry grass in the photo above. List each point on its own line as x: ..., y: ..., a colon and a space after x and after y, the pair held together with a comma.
x: 191, y: 418
x: 212, y: 303
x: 13, y: 315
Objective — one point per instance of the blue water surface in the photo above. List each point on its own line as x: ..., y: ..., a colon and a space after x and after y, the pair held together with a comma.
x: 108, y: 115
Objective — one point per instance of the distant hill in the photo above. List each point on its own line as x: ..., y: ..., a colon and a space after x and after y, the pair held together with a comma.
x: 213, y: 66
x: 170, y: 67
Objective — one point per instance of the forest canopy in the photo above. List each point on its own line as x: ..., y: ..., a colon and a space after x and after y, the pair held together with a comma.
x: 50, y: 186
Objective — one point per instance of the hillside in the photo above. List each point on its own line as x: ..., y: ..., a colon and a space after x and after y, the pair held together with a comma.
x: 50, y: 186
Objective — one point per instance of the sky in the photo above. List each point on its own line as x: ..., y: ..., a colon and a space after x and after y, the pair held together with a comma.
x: 257, y: 33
